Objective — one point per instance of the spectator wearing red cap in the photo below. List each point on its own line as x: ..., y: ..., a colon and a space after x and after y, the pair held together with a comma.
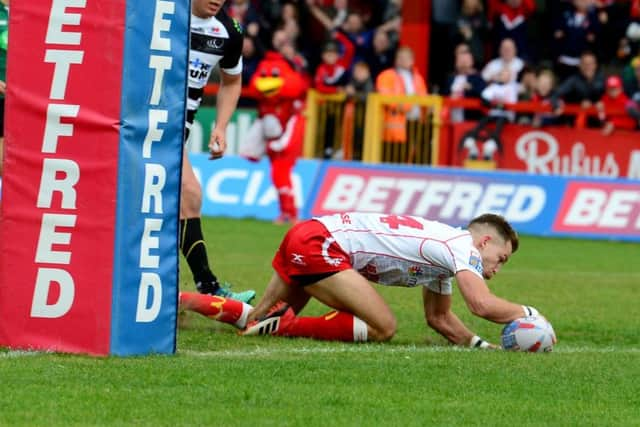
x: 611, y: 104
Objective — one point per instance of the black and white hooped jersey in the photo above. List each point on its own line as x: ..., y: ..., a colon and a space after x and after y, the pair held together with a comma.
x: 214, y: 40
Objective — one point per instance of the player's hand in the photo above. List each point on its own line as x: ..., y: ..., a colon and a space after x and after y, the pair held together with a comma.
x: 477, y: 342
x: 3, y: 87
x: 217, y: 144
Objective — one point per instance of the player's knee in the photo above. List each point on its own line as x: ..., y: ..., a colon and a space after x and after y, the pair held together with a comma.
x: 385, y: 331
x: 191, y: 191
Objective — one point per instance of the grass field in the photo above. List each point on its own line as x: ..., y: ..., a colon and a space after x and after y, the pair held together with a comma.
x: 589, y: 290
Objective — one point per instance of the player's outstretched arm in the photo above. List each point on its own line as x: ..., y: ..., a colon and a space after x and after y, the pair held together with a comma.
x: 438, y: 314
x: 483, y: 303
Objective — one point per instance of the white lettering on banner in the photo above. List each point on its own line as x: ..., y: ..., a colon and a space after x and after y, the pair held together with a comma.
x: 40, y: 306
x: 59, y: 17
x: 539, y: 151
x: 241, y: 186
x: 633, y: 171
x: 375, y: 194
x: 593, y: 207
x: 63, y: 60
x: 434, y: 198
x: 150, y: 285
x: 49, y: 182
x: 49, y: 237
x: 53, y: 128
x: 149, y: 242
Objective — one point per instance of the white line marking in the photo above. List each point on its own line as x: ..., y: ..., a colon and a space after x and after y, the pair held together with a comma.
x: 360, y: 348
x: 354, y: 348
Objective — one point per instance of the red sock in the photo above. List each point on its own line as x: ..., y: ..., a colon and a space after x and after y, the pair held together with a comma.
x: 333, y: 326
x: 218, y: 308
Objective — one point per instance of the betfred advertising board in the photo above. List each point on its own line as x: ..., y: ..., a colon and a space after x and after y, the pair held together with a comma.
x: 534, y: 204
x: 236, y: 187
x: 93, y: 144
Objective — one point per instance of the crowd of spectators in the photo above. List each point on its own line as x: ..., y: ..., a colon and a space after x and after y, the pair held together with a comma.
x: 558, y: 52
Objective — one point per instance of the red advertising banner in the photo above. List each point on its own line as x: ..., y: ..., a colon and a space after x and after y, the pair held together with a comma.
x: 560, y: 151
x: 599, y: 208
x: 60, y: 174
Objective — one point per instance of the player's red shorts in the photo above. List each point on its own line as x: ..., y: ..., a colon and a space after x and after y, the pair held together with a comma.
x: 309, y: 253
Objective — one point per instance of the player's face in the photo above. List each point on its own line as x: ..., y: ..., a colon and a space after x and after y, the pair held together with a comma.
x: 495, y: 253
x: 206, y: 8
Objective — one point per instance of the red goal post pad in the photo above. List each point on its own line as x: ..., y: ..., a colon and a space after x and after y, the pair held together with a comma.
x: 94, y: 130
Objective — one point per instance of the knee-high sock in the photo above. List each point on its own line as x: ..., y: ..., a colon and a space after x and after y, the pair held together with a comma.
x: 333, y: 326
x: 287, y: 202
x: 195, y: 251
x: 218, y: 308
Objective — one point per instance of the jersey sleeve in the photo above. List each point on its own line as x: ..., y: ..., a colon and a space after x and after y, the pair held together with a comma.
x: 231, y: 62
x: 465, y: 256
x: 455, y: 254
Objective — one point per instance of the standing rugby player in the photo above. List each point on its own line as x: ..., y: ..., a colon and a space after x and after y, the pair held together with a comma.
x: 216, y: 39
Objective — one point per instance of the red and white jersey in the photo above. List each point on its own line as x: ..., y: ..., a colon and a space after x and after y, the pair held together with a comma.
x: 409, y: 251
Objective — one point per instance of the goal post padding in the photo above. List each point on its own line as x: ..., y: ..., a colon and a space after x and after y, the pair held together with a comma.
x: 94, y: 136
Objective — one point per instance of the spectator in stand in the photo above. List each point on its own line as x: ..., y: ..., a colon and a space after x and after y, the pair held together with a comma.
x: 291, y: 28
x: 631, y: 77
x: 381, y: 54
x: 511, y: 22
x: 444, y: 14
x: 527, y: 79
x: 526, y: 91
x: 545, y: 86
x: 246, y: 14
x: 633, y: 108
x: 392, y: 11
x: 575, y: 31
x: 361, y: 83
x: 357, y: 90
x: 613, y: 101
x: 297, y: 60
x: 613, y: 16
x: 331, y: 75
x: 472, y: 28
x: 508, y: 58
x: 502, y: 91
x: 354, y: 28
x: 252, y: 53
x: 465, y: 83
x: 585, y: 87
x: 403, y: 79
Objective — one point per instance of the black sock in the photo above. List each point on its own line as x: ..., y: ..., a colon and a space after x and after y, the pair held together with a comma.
x: 195, y: 251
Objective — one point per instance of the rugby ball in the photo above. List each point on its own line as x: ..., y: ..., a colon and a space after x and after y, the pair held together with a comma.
x: 533, y: 334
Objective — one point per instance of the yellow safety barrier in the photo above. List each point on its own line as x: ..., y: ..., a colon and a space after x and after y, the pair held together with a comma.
x: 323, y: 134
x: 346, y: 129
x: 418, y: 141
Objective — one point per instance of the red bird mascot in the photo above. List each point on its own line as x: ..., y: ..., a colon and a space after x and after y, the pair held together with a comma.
x: 279, y: 128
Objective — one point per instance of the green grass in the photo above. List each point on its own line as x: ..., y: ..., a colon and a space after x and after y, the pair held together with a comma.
x: 589, y: 290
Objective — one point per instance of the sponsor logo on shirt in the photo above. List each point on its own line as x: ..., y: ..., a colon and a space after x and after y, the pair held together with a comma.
x: 476, y: 262
x: 415, y: 271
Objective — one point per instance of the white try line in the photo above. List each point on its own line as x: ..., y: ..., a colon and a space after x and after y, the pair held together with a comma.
x: 363, y: 348
x: 342, y: 349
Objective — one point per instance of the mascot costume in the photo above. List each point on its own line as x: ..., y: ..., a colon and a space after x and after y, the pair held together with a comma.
x: 279, y: 128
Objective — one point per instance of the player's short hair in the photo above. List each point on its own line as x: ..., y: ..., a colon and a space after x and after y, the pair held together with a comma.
x: 500, y: 225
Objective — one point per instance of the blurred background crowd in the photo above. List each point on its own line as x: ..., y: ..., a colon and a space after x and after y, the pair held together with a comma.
x: 553, y: 52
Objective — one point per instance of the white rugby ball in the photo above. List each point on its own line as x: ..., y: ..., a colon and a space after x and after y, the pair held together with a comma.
x: 533, y: 334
